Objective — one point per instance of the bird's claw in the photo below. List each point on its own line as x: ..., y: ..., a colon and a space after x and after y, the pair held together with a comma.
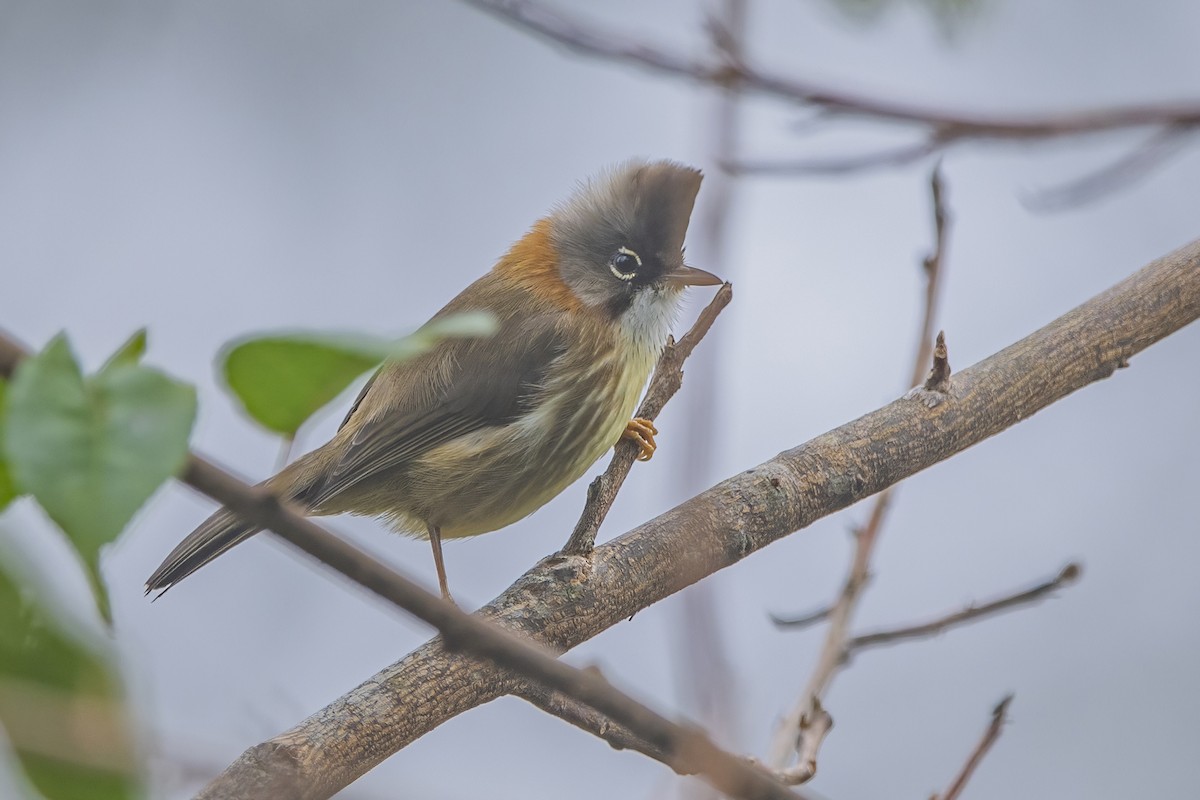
x: 642, y: 431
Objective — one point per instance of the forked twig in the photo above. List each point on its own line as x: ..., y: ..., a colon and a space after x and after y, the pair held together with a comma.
x: 790, y: 736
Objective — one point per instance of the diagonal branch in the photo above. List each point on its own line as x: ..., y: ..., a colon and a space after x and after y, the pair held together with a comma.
x: 566, y: 600
x: 1009, y: 602
x: 999, y: 717
x: 789, y: 738
x: 840, y: 165
x: 618, y: 736
x: 684, y: 748
x: 668, y: 377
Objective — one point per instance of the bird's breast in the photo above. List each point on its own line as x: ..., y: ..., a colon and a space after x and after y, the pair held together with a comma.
x: 499, y: 475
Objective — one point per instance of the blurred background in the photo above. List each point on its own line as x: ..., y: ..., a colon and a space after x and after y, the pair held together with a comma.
x: 209, y: 169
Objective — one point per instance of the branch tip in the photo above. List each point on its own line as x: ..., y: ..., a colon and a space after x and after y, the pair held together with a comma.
x: 1000, y: 712
x: 970, y: 613
x: 990, y: 735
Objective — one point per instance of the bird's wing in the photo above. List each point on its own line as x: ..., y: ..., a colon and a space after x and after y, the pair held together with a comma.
x: 461, y: 386
x: 358, y: 400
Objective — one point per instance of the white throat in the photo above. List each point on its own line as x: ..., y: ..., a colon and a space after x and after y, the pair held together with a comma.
x: 648, y: 320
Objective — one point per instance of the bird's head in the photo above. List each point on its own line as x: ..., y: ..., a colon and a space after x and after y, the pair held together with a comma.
x: 619, y: 240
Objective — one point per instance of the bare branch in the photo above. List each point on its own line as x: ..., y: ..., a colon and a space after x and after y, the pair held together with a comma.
x: 1009, y: 602
x: 937, y: 385
x: 1135, y: 165
x: 932, y: 265
x: 813, y: 731
x: 586, y: 38
x: 789, y: 734
x: 621, y: 738
x: 705, y: 680
x: 564, y: 601
x: 668, y: 377
x: 802, y: 620
x: 839, y: 165
x: 686, y: 748
x: 595, y: 723
x: 999, y: 717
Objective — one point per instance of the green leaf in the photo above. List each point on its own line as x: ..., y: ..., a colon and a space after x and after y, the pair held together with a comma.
x: 283, y: 379
x: 128, y: 354
x: 8, y: 489
x: 60, y: 702
x: 466, y: 323
x: 92, y: 451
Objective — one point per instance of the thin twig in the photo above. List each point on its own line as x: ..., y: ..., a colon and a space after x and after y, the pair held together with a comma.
x: 688, y: 748
x: 999, y: 717
x: 706, y: 680
x: 1009, y: 602
x: 621, y: 738
x: 932, y: 264
x: 589, y: 39
x: 588, y: 719
x: 668, y: 377
x: 801, y: 621
x: 939, y: 373
x: 1135, y: 165
x: 789, y: 737
x: 839, y: 165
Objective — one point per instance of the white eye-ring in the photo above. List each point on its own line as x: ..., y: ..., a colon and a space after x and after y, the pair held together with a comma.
x: 624, y: 264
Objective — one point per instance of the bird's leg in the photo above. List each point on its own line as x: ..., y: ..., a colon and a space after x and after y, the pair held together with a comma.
x: 435, y: 539
x: 641, y: 431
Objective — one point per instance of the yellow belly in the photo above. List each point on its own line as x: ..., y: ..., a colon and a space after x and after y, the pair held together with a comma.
x: 487, y: 480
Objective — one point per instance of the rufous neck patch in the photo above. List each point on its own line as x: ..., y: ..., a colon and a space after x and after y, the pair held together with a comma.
x: 532, y: 264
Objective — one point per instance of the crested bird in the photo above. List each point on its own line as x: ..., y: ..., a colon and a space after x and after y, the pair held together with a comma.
x: 477, y: 433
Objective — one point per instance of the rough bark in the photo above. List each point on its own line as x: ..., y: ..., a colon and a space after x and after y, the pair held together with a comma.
x: 565, y: 600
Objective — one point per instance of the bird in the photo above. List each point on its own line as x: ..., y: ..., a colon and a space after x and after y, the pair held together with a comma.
x: 477, y: 433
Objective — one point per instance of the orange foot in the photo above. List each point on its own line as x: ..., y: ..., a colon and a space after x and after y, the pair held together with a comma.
x: 642, y: 431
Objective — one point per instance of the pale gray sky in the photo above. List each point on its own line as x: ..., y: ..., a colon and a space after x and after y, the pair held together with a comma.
x: 210, y: 169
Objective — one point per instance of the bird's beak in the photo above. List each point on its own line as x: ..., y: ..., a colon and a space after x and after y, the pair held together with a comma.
x: 691, y: 276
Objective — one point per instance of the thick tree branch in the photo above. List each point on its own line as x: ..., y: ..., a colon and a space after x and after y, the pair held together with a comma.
x: 566, y: 600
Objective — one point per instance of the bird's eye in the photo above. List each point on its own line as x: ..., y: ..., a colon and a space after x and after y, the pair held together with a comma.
x: 624, y: 263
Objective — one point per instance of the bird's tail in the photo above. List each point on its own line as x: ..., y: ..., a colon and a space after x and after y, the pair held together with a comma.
x: 224, y: 529
x: 217, y: 534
